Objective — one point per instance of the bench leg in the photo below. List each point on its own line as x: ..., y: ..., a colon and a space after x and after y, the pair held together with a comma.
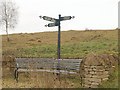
x: 16, y: 74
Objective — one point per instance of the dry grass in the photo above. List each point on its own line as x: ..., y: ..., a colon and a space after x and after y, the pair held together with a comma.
x: 74, y: 44
x: 39, y: 80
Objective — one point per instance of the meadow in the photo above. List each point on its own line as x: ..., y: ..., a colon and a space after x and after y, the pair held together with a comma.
x: 74, y: 44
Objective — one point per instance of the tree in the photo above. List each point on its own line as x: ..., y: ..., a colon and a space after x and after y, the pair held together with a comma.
x: 8, y: 15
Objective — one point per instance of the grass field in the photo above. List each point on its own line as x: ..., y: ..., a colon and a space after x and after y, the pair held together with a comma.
x: 74, y: 44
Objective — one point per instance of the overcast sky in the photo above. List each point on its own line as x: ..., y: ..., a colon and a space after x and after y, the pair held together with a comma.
x: 91, y: 14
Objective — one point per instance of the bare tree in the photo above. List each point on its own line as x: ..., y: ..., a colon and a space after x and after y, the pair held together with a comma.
x: 8, y: 15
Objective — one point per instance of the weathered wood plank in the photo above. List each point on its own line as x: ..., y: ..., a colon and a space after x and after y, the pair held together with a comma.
x: 47, y: 63
x: 41, y: 70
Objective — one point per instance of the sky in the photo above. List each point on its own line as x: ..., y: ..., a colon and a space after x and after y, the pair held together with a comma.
x: 89, y: 14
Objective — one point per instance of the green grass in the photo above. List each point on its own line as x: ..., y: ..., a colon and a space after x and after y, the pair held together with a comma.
x: 69, y: 50
x: 112, y: 81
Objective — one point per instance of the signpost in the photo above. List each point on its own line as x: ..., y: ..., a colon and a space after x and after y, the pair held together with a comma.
x: 57, y: 23
x: 52, y: 24
x: 48, y: 18
x: 66, y: 18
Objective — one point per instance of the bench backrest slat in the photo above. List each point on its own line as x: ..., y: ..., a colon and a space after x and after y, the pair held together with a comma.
x: 46, y: 63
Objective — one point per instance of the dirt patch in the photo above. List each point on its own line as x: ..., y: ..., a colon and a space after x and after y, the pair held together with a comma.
x: 32, y: 40
x: 39, y: 40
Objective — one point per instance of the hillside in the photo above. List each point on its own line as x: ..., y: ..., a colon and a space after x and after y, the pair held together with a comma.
x: 74, y: 44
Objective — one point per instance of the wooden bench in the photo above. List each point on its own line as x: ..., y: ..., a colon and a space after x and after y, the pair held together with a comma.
x: 46, y: 65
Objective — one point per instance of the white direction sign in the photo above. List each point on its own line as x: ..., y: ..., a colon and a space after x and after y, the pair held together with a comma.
x: 49, y: 19
x: 65, y: 18
x: 52, y: 24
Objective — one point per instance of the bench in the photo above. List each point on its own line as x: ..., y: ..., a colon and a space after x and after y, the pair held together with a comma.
x: 46, y: 65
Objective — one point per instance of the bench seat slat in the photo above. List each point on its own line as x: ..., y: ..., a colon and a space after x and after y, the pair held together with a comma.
x: 39, y: 70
